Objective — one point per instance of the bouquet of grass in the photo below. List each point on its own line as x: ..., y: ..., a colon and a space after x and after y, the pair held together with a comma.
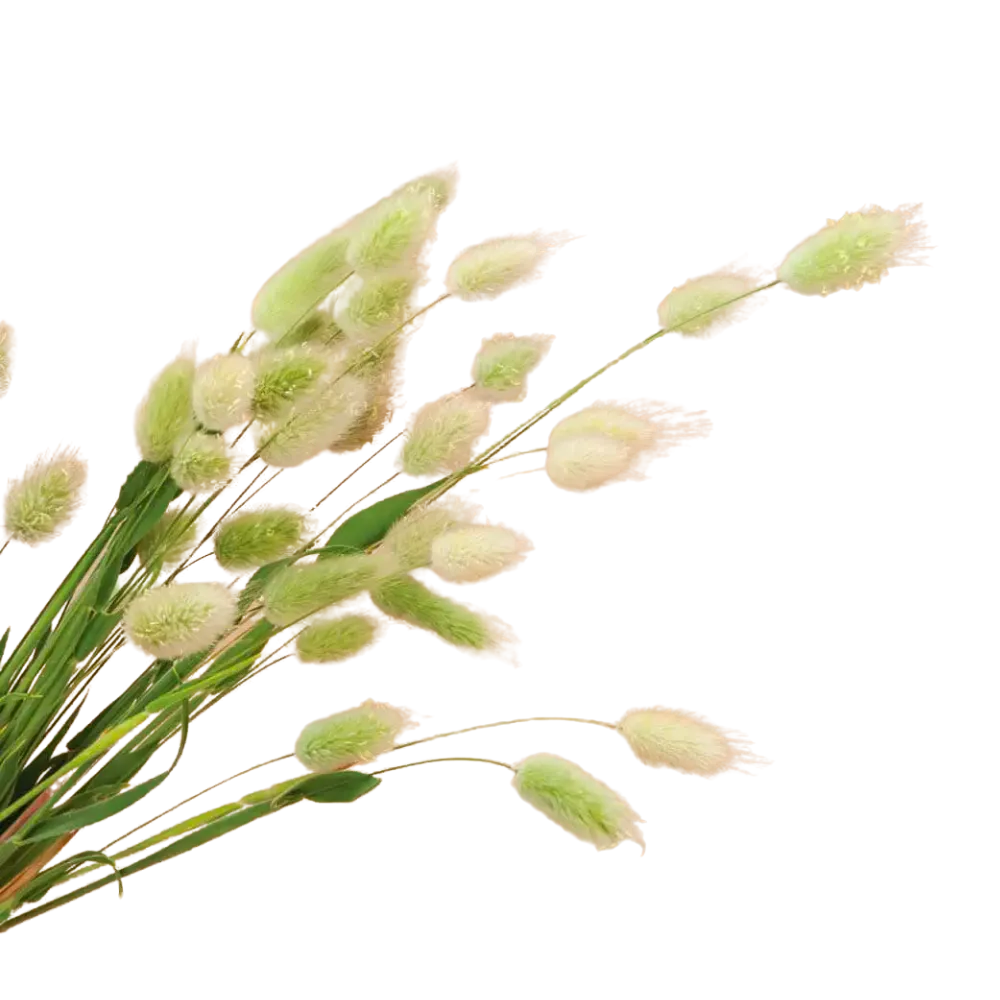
x: 318, y: 373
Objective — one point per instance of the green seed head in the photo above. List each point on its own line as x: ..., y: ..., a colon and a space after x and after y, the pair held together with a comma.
x: 302, y: 590
x: 442, y: 434
x: 42, y: 501
x: 166, y: 415
x: 356, y: 736
x: 406, y: 599
x: 577, y: 801
x: 201, y: 462
x: 501, y: 367
x: 439, y: 187
x: 700, y: 305
x: 284, y: 375
x: 488, y: 269
x: 335, y: 640
x: 318, y: 328
x: 392, y: 233
x: 257, y: 537
x: 376, y: 305
x: 180, y: 618
x: 298, y: 287
x: 469, y: 552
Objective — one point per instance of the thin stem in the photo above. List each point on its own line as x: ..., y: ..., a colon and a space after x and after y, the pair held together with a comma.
x: 515, y: 454
x: 246, y: 427
x: 506, y: 722
x: 438, y: 760
x: 480, y: 461
x: 3, y: 548
x: 336, y: 520
x: 191, y: 798
x: 358, y: 469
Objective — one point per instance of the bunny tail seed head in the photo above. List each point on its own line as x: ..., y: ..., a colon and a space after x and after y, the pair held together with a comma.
x: 257, y: 537
x: 700, y: 305
x: 179, y: 619
x: 169, y: 540
x: 335, y: 640
x: 500, y: 368
x: 284, y: 375
x: 407, y: 544
x: 201, y: 462
x: 469, y: 552
x: 439, y: 187
x: 223, y: 390
x: 489, y: 269
x: 393, y: 232
x: 166, y: 414
x: 296, y: 288
x: 302, y: 590
x: 577, y: 801
x: 356, y: 736
x: 42, y: 501
x: 666, y: 737
x: 6, y: 350
x: 374, y: 416
x: 318, y: 420
x: 856, y: 249
x: 607, y: 442
x: 408, y: 600
x: 442, y: 434
x: 376, y: 305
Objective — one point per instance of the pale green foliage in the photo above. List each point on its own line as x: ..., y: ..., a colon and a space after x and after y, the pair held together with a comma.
x: 299, y: 286
x: 376, y: 305
x: 408, y: 600
x: 700, y: 304
x: 257, y: 537
x: 44, y: 499
x: 302, y: 590
x: 490, y: 268
x: 201, y: 462
x: 335, y: 640
x: 577, y: 801
x: 166, y: 414
x: 283, y: 375
x: 170, y: 539
x: 442, y: 434
x: 468, y: 552
x: 180, y: 618
x: 223, y: 391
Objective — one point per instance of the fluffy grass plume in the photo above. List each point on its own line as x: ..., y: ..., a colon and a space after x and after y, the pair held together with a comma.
x: 699, y: 305
x: 283, y: 375
x: 180, y: 618
x: 392, y: 233
x: 442, y: 434
x: 223, y: 391
x: 607, y: 442
x: 42, y: 501
x: 501, y: 366
x: 257, y: 537
x: 376, y: 305
x: 668, y: 737
x: 407, y: 544
x: 356, y: 736
x: 854, y: 250
x: 577, y: 801
x: 299, y: 591
x: 489, y: 269
x: 468, y: 552
x: 201, y: 462
x: 166, y: 414
x: 408, y: 600
x: 300, y: 285
x: 336, y: 639
x: 170, y: 539
x: 6, y: 351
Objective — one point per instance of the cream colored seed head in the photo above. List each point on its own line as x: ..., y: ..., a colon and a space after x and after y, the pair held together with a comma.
x: 500, y: 368
x: 42, y: 501
x: 166, y: 415
x: 489, y: 269
x: 704, y: 304
x: 666, y: 737
x: 356, y: 736
x: 443, y: 433
x: 223, y: 391
x: 180, y: 618
x: 201, y: 462
x: 6, y: 350
x: 465, y: 553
